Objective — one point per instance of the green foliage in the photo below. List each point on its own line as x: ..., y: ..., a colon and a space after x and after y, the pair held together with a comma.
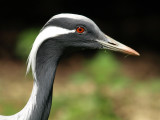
x: 8, y: 108
x: 80, y: 77
x: 102, y: 71
x: 94, y: 106
x: 101, y: 67
x: 25, y: 41
x: 151, y: 85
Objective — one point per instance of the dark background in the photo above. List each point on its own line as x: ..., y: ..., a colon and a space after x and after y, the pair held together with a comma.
x: 135, y: 23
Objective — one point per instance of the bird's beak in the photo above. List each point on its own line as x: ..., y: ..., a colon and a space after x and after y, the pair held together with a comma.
x: 111, y: 44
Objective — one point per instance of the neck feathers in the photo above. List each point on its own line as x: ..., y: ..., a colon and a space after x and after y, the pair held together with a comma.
x: 47, y: 59
x: 39, y: 104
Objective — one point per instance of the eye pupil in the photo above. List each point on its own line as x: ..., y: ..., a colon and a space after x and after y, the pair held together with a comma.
x: 80, y: 29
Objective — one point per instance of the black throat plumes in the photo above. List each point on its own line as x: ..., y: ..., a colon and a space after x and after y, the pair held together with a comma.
x: 47, y: 60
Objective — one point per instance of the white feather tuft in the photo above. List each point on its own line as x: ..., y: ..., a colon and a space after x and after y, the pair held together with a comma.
x: 48, y: 32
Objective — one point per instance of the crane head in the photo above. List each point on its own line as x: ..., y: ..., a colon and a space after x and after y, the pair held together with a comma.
x: 72, y: 30
x: 83, y: 32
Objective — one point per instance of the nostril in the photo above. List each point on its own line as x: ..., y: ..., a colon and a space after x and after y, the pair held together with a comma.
x: 112, y: 43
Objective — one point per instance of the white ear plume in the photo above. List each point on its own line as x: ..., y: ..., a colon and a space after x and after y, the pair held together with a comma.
x: 48, y: 32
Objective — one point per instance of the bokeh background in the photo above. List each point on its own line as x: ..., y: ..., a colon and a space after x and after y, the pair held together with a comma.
x: 97, y: 85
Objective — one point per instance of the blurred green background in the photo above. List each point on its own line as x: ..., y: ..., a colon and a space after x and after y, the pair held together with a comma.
x: 103, y: 85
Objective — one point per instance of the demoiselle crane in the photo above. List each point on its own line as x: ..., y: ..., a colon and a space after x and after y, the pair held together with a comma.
x: 61, y: 32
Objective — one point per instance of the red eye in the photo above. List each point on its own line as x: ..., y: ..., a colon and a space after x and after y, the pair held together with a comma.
x: 80, y: 29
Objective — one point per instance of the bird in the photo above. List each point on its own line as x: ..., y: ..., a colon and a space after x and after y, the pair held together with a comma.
x: 62, y: 32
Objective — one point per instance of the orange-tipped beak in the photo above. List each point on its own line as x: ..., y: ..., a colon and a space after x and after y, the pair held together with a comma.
x: 114, y: 45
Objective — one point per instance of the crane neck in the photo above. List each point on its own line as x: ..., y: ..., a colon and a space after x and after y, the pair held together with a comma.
x: 39, y: 104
